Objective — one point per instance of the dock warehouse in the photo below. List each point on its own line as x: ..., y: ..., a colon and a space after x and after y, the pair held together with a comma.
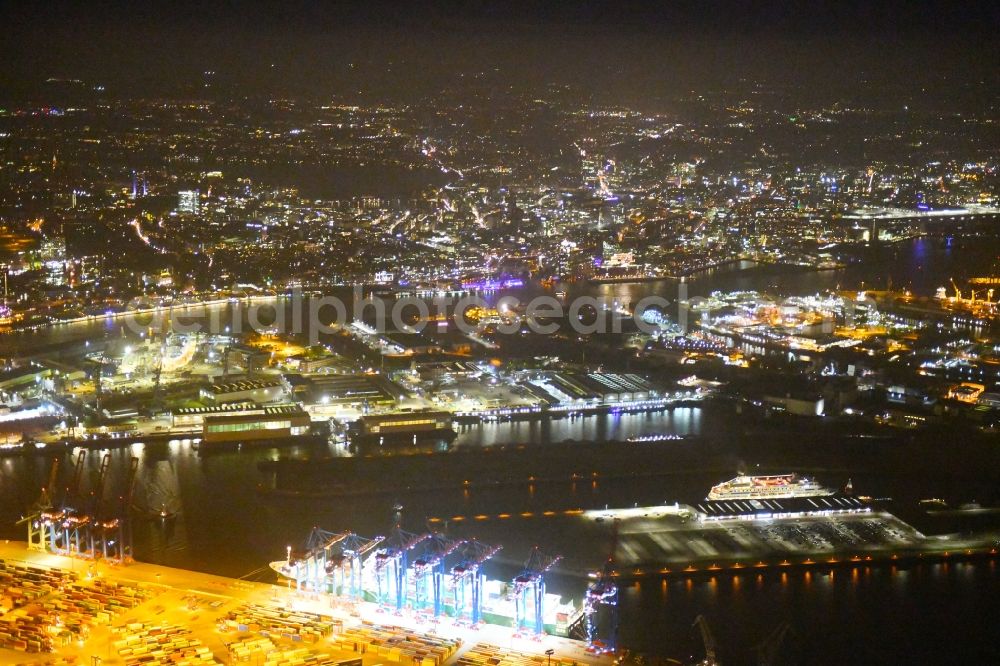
x: 265, y: 423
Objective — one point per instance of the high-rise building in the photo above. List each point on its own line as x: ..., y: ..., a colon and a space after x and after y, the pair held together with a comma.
x: 140, y: 185
x: 188, y: 202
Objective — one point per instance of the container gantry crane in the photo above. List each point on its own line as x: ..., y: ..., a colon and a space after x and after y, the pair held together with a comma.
x: 768, y: 649
x: 603, y: 594
x: 45, y: 498
x: 111, y: 531
x: 467, y: 578
x: 391, y: 565
x: 89, y: 521
x: 44, y: 503
x: 126, y: 511
x: 328, y: 556
x: 530, y: 585
x: 707, y: 640
x: 57, y: 520
x: 310, y: 566
x: 429, y: 571
x: 351, y: 555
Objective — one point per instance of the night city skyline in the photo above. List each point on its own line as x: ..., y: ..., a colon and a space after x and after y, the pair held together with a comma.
x: 499, y: 334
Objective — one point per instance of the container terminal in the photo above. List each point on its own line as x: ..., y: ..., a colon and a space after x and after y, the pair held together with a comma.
x: 63, y: 610
x: 399, y: 575
x: 74, y: 591
x: 59, y: 610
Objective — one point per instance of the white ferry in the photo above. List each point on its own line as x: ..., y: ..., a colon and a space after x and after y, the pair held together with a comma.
x: 767, y: 487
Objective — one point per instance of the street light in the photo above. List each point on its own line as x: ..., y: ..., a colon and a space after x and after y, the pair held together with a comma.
x: 549, y: 653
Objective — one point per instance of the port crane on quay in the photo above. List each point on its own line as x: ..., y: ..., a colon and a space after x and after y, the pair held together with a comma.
x: 467, y: 578
x: 429, y: 571
x: 430, y: 575
x: 391, y: 559
x: 112, y: 529
x: 63, y: 524
x: 602, y: 628
x: 331, y: 562
x: 83, y: 524
x: 37, y: 533
x: 529, y: 585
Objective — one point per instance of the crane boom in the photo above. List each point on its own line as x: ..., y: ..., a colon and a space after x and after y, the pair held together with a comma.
x: 125, y: 519
x: 130, y: 484
x: 45, y: 499
x: 98, y: 388
x: 157, y: 388
x: 74, y: 485
x: 98, y: 492
x: 767, y: 650
x: 707, y: 639
x: 53, y: 473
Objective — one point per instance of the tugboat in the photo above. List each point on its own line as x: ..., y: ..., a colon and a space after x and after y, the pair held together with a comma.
x: 162, y: 501
x: 165, y: 514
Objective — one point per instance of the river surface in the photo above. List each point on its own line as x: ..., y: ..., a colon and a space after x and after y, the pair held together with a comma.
x: 926, y: 613
x: 877, y: 614
x: 921, y: 265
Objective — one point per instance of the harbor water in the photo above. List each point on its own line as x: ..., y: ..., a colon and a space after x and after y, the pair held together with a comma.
x: 226, y: 522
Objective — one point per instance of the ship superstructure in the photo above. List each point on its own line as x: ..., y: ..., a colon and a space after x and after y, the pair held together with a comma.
x: 767, y: 487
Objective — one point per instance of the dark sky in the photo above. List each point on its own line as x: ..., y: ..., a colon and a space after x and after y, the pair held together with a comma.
x: 338, y: 46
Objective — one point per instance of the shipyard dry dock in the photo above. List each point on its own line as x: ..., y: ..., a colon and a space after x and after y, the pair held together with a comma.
x: 56, y: 610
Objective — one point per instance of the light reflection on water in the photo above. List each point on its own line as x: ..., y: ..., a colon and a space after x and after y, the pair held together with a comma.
x: 837, y: 619
x: 225, y: 526
x: 680, y: 420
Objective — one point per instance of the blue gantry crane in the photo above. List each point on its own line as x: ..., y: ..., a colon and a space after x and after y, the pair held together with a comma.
x: 529, y: 586
x: 347, y: 561
x: 467, y: 578
x: 308, y: 567
x: 327, y: 558
x: 429, y: 571
x: 602, y: 595
x: 391, y: 565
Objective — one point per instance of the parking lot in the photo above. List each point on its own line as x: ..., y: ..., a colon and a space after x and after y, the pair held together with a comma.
x: 676, y: 539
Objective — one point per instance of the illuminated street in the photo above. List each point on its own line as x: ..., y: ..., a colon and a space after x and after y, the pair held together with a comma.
x: 489, y: 333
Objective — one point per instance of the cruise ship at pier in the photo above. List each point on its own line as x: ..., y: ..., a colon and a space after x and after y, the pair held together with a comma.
x: 768, y: 487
